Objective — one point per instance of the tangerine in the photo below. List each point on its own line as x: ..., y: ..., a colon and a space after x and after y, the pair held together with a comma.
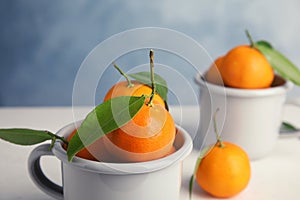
x: 138, y: 89
x: 224, y: 171
x: 95, y: 152
x: 148, y: 136
x: 213, y: 73
x: 245, y: 67
x: 84, y: 153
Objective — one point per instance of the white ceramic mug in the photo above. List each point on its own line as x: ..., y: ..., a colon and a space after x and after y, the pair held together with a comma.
x: 92, y: 180
x: 250, y: 118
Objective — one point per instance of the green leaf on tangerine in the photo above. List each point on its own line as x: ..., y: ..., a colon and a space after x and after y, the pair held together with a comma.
x: 191, y: 185
x: 160, y: 82
x: 203, y: 153
x: 264, y: 43
x: 23, y: 136
x: 279, y: 62
x: 103, y: 119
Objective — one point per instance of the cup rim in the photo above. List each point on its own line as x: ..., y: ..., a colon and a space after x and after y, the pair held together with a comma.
x: 123, y: 168
x: 237, y: 92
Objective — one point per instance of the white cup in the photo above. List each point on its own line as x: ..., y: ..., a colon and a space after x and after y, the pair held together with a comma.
x: 250, y: 118
x: 84, y: 179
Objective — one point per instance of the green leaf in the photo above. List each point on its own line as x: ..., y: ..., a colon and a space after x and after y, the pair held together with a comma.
x: 203, y: 153
x: 279, y: 62
x: 25, y: 136
x: 287, y: 127
x: 191, y: 185
x: 104, y: 119
x: 160, y: 82
x: 264, y: 43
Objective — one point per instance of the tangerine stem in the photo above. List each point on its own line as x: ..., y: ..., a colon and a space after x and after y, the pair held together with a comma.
x: 54, y: 137
x: 249, y: 38
x: 129, y: 83
x: 219, y: 139
x: 151, y: 55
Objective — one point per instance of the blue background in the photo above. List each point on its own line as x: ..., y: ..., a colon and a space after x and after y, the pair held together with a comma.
x: 43, y: 42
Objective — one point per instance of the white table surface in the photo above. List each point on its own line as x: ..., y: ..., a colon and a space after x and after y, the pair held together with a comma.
x: 276, y: 176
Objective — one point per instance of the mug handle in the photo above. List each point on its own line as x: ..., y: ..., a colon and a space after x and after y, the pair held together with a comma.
x: 37, y: 175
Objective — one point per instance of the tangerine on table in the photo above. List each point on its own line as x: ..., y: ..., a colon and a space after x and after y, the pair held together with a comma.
x: 148, y: 136
x: 224, y: 171
x: 213, y: 73
x: 245, y: 67
x: 138, y: 89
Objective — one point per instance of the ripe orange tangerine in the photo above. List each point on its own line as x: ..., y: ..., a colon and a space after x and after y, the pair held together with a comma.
x: 84, y: 153
x: 95, y: 152
x: 148, y: 136
x: 245, y: 67
x: 138, y: 89
x: 224, y: 171
x: 213, y: 74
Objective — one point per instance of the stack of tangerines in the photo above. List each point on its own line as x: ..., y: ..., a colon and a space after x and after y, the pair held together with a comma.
x: 149, y: 135
x: 225, y: 169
